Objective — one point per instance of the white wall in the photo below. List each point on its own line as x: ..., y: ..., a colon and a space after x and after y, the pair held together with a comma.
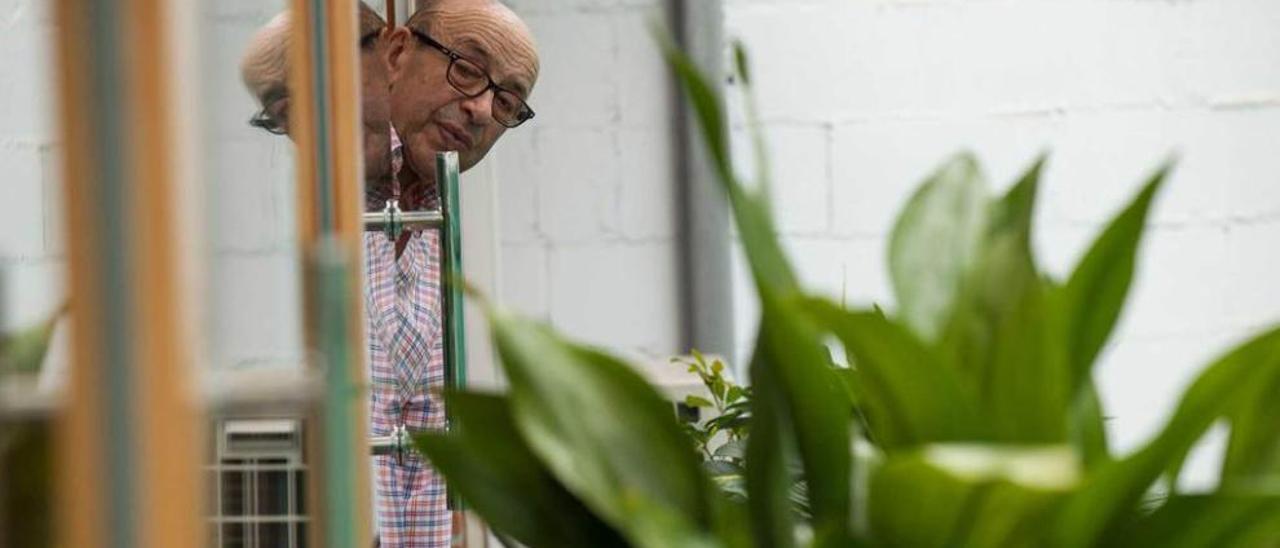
x: 253, y: 305
x: 586, y: 187
x: 862, y: 99
x: 31, y: 254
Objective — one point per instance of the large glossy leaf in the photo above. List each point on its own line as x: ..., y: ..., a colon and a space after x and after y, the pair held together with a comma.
x: 1003, y: 334
x: 935, y: 243
x: 1206, y: 520
x: 967, y: 496
x: 1088, y: 427
x: 767, y: 453
x: 909, y: 396
x: 601, y: 429
x: 1095, y: 293
x: 820, y: 418
x: 1108, y: 500
x: 488, y: 463
x: 1253, y: 449
x: 804, y: 404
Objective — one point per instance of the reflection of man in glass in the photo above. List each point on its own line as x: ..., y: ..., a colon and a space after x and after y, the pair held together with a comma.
x: 455, y: 78
x: 458, y: 75
x: 265, y: 71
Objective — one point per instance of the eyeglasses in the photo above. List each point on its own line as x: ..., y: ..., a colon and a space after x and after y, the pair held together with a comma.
x: 472, y: 81
x: 275, y: 123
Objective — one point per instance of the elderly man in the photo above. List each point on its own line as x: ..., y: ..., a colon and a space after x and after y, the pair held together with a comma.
x: 456, y: 77
x: 265, y: 72
x: 458, y: 74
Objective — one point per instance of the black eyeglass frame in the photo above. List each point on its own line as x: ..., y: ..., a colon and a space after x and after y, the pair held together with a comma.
x: 523, y: 115
x: 264, y: 119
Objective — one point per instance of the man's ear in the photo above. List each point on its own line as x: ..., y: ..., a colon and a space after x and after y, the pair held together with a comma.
x: 398, y: 48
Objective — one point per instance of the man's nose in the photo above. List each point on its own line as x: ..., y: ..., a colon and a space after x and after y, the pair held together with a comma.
x: 479, y: 109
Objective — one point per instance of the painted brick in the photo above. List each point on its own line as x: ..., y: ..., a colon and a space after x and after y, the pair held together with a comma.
x: 22, y: 206
x: 563, y: 7
x: 847, y: 271
x: 577, y: 176
x: 255, y: 310
x: 647, y: 196
x: 578, y: 82
x: 226, y: 104
x: 524, y: 279
x: 251, y: 199
x: 515, y: 159
x: 1181, y: 284
x: 836, y: 60
x: 617, y: 296
x: 1253, y: 299
x: 1097, y: 161
x: 54, y: 210
x: 27, y: 98
x: 876, y: 166
x: 32, y: 291
x: 746, y: 310
x: 800, y: 178
x: 1139, y: 382
x: 645, y: 89
x: 1233, y: 54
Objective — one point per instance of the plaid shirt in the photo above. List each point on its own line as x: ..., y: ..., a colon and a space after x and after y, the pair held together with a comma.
x: 406, y: 362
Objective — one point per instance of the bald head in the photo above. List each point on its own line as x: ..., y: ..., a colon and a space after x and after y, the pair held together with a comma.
x: 428, y: 111
x: 491, y: 29
x: 265, y: 67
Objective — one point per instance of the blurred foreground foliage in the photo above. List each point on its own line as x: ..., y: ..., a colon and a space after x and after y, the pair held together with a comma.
x: 967, y: 416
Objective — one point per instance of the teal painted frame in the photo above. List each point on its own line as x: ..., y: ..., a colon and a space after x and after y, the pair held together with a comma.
x: 455, y: 349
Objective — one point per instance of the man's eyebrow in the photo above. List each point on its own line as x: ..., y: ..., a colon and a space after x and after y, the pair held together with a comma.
x: 474, y: 49
x: 274, y: 93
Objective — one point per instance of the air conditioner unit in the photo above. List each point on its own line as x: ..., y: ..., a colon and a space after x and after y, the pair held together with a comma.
x: 260, y: 438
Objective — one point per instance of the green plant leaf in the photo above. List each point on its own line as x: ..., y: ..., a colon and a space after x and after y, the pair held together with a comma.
x: 1089, y: 428
x: 735, y: 394
x: 909, y: 396
x: 789, y: 354
x: 600, y: 428
x: 732, y: 449
x: 24, y: 351
x: 767, y: 478
x: 916, y: 499
x: 1108, y: 499
x: 816, y: 411
x: 487, y: 461
x: 935, y: 243
x: 695, y: 401
x: 1003, y: 334
x: 1206, y: 520
x: 1253, y: 448
x: 1096, y: 290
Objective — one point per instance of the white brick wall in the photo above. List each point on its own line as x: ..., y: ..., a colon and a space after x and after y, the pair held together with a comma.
x: 253, y: 306
x: 586, y: 189
x: 861, y: 99
x: 874, y: 93
x: 31, y: 281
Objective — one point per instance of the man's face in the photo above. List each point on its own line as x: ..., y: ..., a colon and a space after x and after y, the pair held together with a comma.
x: 428, y: 113
x: 375, y: 108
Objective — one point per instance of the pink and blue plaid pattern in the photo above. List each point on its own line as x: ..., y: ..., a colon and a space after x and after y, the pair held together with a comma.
x: 406, y: 365
x: 406, y: 358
